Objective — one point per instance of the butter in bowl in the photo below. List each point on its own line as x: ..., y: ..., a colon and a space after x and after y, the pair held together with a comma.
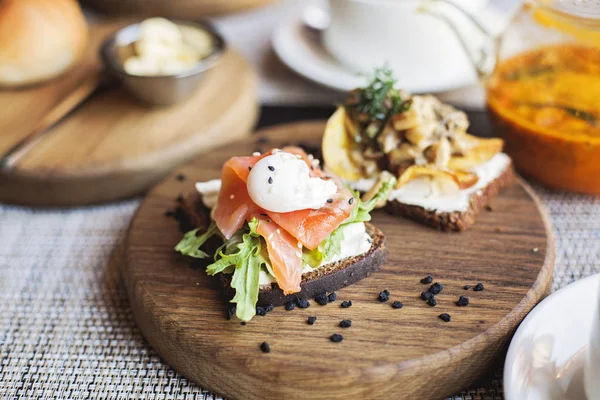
x: 162, y: 62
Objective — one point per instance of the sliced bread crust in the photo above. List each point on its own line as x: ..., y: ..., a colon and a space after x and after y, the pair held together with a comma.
x: 327, y: 278
x: 454, y: 221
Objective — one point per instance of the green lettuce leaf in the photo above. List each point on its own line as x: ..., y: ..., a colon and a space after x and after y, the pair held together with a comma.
x: 312, y: 257
x: 190, y: 244
x: 247, y: 261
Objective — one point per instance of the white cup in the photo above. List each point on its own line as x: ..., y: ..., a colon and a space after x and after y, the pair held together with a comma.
x: 592, y: 363
x: 422, y: 50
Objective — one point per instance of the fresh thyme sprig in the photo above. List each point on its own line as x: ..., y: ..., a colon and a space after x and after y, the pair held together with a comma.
x: 378, y: 101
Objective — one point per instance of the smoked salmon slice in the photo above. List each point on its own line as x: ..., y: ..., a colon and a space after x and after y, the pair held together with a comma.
x: 285, y: 255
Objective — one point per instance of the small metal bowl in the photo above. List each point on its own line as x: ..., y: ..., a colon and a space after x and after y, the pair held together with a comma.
x: 158, y: 90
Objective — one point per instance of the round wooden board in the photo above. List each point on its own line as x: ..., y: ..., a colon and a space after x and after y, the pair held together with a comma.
x: 387, y: 353
x: 189, y: 9
x: 113, y: 146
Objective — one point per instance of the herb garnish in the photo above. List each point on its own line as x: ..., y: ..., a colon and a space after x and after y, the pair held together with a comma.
x: 373, y: 105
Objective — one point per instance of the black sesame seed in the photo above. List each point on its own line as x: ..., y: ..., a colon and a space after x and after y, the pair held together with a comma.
x: 467, y: 287
x: 479, y: 287
x: 346, y: 303
x: 445, y: 317
x: 332, y: 296
x: 264, y: 346
x: 311, y: 320
x: 312, y: 167
x: 432, y: 301
x: 351, y: 200
x: 384, y: 295
x: 230, y: 311
x: 397, y: 304
x: 180, y: 198
x: 263, y: 215
x: 462, y: 301
x: 249, y: 168
x: 268, y: 220
x: 243, y: 323
x: 271, y: 168
x: 336, y: 338
x: 290, y: 305
x: 426, y: 295
x: 345, y: 323
x: 269, y: 308
x: 270, y: 180
x: 436, y: 288
x: 180, y: 177
x: 330, y: 200
x: 322, y: 299
x: 427, y: 279
x: 303, y: 303
x: 261, y: 311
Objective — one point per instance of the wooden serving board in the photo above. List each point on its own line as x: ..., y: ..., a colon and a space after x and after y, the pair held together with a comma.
x: 387, y: 353
x: 112, y: 146
x: 188, y: 9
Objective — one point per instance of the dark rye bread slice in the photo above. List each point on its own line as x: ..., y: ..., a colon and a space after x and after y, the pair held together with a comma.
x: 454, y: 221
x: 327, y: 278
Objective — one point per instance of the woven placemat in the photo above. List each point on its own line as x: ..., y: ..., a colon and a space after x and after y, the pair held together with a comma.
x: 66, y: 330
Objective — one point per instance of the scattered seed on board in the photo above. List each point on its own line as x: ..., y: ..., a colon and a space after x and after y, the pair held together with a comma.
x: 322, y: 299
x: 332, y: 296
x: 345, y: 323
x: 479, y: 287
x: 303, y: 303
x: 488, y: 208
x: 426, y: 295
x: 170, y: 213
x: 180, y: 177
x: 180, y: 198
x: 346, y: 303
x: 535, y: 249
x: 336, y: 338
x: 311, y: 320
x: 290, y: 305
x: 264, y: 346
x: 397, y: 304
x: 445, y: 317
x: 432, y: 301
x: 384, y: 295
x: 427, y: 279
x: 436, y: 288
x: 261, y: 311
x: 462, y: 301
x: 467, y: 287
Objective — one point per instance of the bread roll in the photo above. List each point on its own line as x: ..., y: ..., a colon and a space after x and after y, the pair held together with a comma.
x: 39, y: 39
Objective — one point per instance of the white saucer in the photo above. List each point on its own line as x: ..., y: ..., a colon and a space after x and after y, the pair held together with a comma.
x: 302, y: 51
x: 546, y: 356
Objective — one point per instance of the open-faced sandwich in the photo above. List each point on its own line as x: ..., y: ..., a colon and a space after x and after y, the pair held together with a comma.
x: 445, y: 176
x: 283, y: 230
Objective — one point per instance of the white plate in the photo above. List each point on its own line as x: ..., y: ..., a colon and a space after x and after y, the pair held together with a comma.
x: 546, y: 356
x: 302, y: 52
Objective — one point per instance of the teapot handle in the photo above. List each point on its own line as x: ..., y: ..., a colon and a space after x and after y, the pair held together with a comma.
x: 485, y: 57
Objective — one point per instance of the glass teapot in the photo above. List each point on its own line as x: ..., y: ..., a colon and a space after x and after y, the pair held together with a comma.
x: 542, y: 81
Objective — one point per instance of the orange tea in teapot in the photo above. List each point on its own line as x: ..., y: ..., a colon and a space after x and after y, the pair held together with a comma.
x: 546, y: 104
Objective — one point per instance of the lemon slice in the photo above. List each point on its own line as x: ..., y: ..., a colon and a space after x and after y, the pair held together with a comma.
x: 336, y: 147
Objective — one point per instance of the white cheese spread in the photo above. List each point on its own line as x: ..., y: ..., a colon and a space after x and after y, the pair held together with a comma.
x: 356, y: 241
x: 282, y: 183
x: 424, y: 192
x: 209, y: 191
